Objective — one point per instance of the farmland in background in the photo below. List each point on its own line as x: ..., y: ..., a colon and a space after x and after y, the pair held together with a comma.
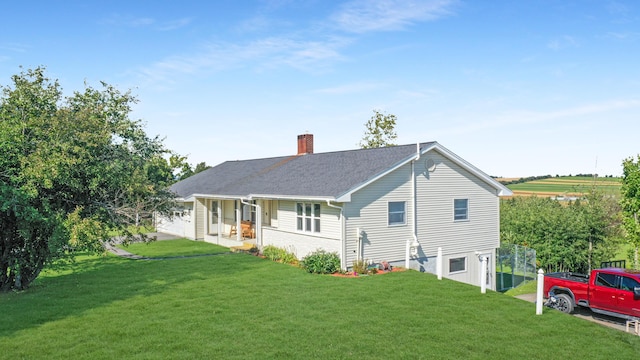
x: 562, y: 186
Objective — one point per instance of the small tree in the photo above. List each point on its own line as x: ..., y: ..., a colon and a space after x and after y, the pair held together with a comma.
x: 380, y: 131
x: 630, y: 204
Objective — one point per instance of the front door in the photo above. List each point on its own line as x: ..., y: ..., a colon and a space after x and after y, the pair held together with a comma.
x: 626, y: 301
x: 605, y: 291
x: 213, y: 217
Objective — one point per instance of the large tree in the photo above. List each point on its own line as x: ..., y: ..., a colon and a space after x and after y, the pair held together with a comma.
x: 184, y: 169
x: 72, y: 171
x: 380, y: 131
x: 630, y: 204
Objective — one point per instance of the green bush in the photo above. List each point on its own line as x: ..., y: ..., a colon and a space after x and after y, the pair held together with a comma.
x: 274, y: 253
x: 321, y: 262
x: 360, y: 266
x: 289, y: 258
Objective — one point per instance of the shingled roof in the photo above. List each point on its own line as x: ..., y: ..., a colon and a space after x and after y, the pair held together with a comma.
x: 309, y: 176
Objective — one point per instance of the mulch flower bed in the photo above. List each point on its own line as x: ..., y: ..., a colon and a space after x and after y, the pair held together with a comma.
x: 379, y: 272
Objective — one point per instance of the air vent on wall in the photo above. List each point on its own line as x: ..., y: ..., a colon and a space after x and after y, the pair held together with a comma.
x: 429, y: 164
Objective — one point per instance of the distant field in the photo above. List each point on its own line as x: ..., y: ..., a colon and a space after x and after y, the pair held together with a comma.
x: 565, y: 186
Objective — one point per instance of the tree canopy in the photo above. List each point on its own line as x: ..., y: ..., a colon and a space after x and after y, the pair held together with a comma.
x: 567, y: 237
x: 630, y: 203
x: 380, y: 131
x: 183, y: 168
x: 73, y: 171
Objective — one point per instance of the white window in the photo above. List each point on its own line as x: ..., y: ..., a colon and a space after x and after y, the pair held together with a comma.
x: 457, y: 265
x: 396, y: 213
x: 460, y: 209
x: 308, y: 217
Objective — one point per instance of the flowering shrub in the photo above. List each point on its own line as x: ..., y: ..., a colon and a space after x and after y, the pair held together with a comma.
x: 321, y: 262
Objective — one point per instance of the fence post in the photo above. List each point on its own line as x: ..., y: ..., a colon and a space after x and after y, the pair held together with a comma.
x: 439, y: 264
x: 483, y: 276
x: 539, y: 292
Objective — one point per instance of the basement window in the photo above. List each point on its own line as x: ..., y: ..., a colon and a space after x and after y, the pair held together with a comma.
x: 457, y: 265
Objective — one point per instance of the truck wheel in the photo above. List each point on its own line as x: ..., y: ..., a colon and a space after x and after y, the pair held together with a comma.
x: 565, y: 304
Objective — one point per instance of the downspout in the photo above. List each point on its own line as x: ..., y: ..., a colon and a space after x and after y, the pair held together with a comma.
x: 343, y: 256
x: 258, y: 221
x: 414, y: 224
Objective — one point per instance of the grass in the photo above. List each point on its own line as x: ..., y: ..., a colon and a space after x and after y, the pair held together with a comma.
x: 570, y: 185
x: 180, y: 247
x: 529, y: 287
x: 143, y: 229
x: 238, y: 306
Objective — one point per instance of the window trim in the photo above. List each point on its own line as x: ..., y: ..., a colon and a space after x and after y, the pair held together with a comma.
x: 404, y: 214
x: 466, y: 218
x: 314, y: 218
x: 464, y: 258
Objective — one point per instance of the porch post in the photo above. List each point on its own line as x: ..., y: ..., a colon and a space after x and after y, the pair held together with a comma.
x: 239, y: 222
x: 258, y: 225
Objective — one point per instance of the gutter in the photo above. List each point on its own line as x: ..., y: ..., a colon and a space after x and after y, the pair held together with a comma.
x: 414, y: 223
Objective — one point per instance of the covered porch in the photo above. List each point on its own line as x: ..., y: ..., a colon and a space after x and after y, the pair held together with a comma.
x: 229, y: 222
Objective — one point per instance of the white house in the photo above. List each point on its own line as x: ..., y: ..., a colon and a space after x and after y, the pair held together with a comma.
x: 397, y: 204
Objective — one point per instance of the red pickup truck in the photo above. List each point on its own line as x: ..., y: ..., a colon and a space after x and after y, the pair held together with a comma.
x: 611, y: 291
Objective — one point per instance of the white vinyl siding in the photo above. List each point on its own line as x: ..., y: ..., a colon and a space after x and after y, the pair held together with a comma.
x: 229, y: 215
x: 329, y: 219
x: 369, y: 212
x: 201, y: 215
x: 301, y: 244
x: 274, y: 213
x: 435, y: 206
x: 180, y: 224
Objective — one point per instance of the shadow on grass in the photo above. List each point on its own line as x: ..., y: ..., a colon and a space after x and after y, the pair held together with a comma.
x: 96, y: 282
x: 506, y: 281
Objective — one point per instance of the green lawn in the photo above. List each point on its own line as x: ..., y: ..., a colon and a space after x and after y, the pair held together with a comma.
x: 173, y: 248
x: 238, y: 306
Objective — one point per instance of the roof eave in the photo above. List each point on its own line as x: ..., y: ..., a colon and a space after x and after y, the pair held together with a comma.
x: 291, y: 197
x: 501, y: 189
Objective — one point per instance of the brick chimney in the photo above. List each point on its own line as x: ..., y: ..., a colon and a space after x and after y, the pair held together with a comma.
x: 305, y: 144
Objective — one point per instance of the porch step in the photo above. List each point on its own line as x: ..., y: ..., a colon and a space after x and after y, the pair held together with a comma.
x: 246, y: 246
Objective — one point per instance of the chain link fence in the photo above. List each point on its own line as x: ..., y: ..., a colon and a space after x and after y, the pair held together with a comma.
x: 516, y: 264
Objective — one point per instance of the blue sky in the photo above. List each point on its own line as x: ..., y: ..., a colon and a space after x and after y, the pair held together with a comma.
x: 517, y: 88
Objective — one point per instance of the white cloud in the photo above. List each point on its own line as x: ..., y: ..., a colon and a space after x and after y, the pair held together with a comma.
x: 142, y: 22
x: 174, y: 24
x: 360, y: 16
x: 623, y: 36
x: 306, y: 55
x: 128, y: 20
x: 521, y: 117
x: 563, y: 42
x: 350, y: 88
x: 14, y: 47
